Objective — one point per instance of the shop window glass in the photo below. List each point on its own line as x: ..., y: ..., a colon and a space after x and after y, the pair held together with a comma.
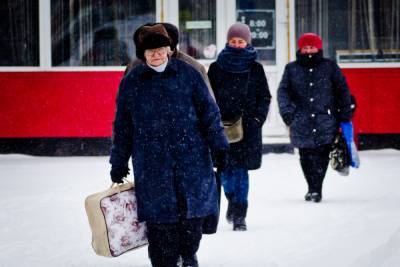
x: 96, y: 33
x: 19, y: 33
x: 197, y: 23
x: 260, y: 16
x: 353, y: 30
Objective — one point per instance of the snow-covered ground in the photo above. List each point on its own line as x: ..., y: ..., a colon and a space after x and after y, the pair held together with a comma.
x: 43, y: 220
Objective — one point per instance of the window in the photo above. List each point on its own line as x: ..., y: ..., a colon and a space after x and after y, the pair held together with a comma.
x: 353, y: 30
x: 19, y: 33
x: 197, y: 22
x: 96, y: 33
x: 260, y: 16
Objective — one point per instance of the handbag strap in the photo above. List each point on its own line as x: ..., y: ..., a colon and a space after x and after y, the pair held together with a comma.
x: 246, y: 91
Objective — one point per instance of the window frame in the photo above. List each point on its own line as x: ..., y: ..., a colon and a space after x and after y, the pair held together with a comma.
x: 23, y: 68
x: 344, y: 65
x: 168, y: 11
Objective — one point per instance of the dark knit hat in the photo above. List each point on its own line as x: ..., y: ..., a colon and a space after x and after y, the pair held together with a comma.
x: 149, y: 37
x: 239, y: 30
x: 310, y: 39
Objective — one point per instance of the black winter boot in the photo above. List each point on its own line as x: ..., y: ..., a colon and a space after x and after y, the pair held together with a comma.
x: 230, y: 212
x: 231, y: 208
x: 239, y: 224
x: 316, y: 197
x: 239, y: 220
x: 190, y: 261
x: 307, y: 197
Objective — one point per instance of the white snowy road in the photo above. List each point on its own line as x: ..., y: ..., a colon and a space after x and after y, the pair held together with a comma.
x: 43, y: 221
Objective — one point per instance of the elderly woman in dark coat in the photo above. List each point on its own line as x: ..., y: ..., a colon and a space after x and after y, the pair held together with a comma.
x: 313, y: 100
x: 241, y: 90
x: 167, y: 122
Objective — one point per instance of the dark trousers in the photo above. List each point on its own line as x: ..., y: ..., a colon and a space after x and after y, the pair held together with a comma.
x: 314, y: 162
x: 168, y: 241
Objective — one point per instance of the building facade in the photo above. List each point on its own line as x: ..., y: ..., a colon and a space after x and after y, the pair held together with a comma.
x: 61, y: 61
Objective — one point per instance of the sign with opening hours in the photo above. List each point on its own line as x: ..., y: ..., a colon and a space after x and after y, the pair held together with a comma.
x: 262, y: 26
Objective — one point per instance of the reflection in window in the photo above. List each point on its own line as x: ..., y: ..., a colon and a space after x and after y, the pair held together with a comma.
x: 19, y: 33
x: 353, y: 30
x: 260, y: 16
x: 96, y: 33
x: 197, y: 19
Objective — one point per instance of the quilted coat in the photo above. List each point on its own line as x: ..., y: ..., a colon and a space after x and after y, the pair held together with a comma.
x: 313, y: 100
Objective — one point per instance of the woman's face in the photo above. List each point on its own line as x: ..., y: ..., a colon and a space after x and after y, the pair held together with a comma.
x: 156, y: 56
x: 308, y: 49
x: 237, y: 42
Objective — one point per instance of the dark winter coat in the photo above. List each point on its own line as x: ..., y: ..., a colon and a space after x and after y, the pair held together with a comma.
x: 168, y: 122
x: 235, y: 98
x: 312, y: 101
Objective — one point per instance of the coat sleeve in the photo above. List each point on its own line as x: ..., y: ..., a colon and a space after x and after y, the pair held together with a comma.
x: 342, y: 95
x: 212, y: 78
x: 263, y: 96
x: 121, y: 148
x: 285, y: 102
x: 206, y: 80
x: 209, y: 115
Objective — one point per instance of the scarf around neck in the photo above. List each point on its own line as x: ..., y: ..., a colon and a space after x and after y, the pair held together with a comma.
x: 159, y: 68
x: 236, y: 60
x: 309, y: 60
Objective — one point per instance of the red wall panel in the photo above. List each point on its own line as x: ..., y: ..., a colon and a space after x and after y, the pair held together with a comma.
x: 82, y: 104
x: 57, y: 104
x: 378, y: 97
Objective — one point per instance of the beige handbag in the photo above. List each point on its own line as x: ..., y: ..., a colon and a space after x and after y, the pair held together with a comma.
x: 113, y: 220
x: 233, y: 130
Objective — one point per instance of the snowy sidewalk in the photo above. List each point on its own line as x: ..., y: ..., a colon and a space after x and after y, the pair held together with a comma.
x: 43, y: 221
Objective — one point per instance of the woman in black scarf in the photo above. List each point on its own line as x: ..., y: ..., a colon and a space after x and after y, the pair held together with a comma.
x: 242, y: 94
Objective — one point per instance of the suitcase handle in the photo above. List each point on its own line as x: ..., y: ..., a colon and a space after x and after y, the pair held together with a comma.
x: 124, y: 179
x: 118, y: 186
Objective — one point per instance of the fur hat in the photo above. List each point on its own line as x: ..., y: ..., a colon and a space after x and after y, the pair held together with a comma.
x: 172, y: 31
x: 173, y: 34
x: 239, y: 30
x: 310, y: 39
x: 149, y: 37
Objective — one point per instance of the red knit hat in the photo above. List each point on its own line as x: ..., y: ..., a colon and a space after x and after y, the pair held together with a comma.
x: 310, y: 39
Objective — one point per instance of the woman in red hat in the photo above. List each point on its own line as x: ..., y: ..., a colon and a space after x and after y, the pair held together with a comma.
x: 314, y: 100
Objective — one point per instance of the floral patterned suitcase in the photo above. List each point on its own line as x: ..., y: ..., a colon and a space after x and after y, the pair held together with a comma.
x: 113, y: 220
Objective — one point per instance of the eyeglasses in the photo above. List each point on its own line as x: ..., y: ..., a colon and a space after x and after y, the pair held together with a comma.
x: 160, y: 51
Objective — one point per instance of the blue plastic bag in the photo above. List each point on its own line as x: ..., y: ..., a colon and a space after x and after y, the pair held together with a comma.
x: 347, y: 130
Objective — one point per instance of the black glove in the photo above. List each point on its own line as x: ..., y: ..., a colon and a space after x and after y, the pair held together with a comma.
x: 287, y: 118
x: 221, y: 159
x: 119, y: 172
